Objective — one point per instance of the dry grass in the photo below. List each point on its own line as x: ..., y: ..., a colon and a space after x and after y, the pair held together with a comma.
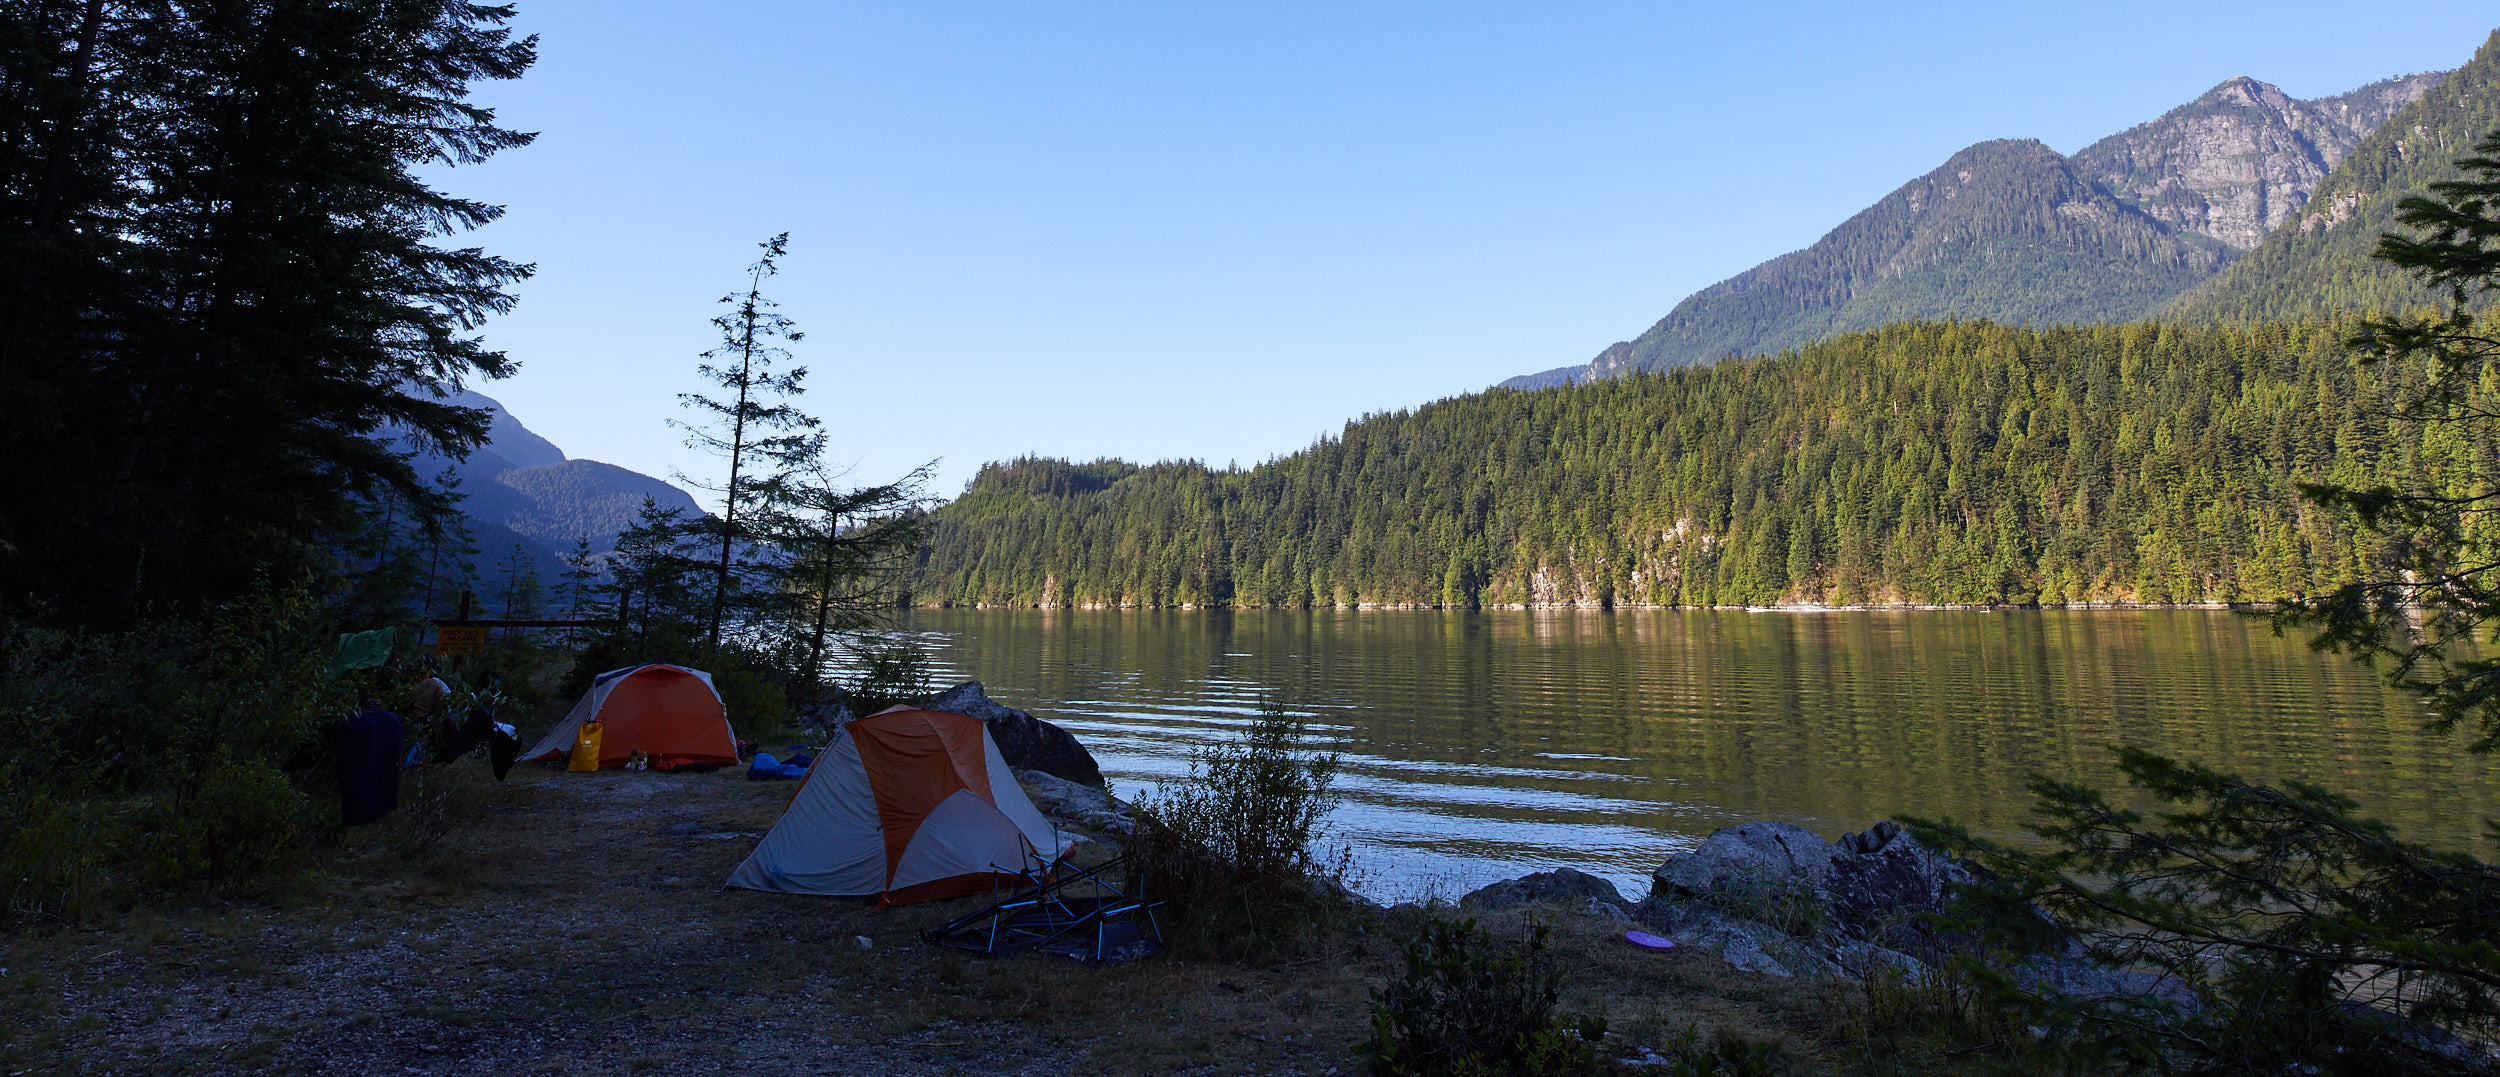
x: 564, y: 923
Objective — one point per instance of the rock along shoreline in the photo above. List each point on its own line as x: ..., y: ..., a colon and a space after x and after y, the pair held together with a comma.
x: 1780, y: 900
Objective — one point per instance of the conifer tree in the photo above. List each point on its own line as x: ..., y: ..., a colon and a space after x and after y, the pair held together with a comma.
x: 752, y: 427
x: 578, y: 587
x: 844, y: 551
x: 219, y: 281
x: 2423, y: 617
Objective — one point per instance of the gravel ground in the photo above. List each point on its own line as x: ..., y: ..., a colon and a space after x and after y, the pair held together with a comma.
x: 575, y: 924
x: 578, y: 925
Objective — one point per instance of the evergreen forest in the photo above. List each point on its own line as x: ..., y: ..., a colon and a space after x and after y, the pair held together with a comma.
x: 1960, y: 463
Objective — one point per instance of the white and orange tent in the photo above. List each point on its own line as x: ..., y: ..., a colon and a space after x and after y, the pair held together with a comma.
x: 906, y: 805
x: 670, y: 714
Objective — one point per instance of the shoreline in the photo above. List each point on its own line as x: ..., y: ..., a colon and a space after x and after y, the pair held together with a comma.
x: 1613, y: 607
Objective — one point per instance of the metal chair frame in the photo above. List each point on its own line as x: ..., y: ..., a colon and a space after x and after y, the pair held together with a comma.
x: 1042, y: 912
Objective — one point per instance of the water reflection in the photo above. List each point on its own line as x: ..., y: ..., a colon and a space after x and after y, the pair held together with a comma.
x: 1481, y: 745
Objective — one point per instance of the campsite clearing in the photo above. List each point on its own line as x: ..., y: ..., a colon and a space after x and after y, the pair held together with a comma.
x: 577, y: 924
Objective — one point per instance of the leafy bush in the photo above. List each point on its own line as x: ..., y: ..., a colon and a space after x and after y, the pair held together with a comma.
x: 1469, y: 1007
x: 434, y: 802
x: 1920, y: 1021
x: 1726, y: 1055
x: 755, y: 702
x: 158, y: 756
x: 629, y: 647
x: 55, y: 848
x: 2282, y: 934
x: 1233, y: 847
x: 247, y: 820
x: 892, y: 669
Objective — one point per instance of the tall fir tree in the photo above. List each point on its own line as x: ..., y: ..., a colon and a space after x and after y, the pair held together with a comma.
x: 752, y: 427
x: 221, y: 282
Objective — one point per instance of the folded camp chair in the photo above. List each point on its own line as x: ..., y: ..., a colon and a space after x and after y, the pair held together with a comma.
x: 1043, y: 914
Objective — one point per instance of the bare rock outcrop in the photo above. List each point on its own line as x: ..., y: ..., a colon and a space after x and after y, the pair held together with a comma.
x: 1778, y: 898
x: 1080, y: 805
x: 2236, y: 162
x: 1565, y: 886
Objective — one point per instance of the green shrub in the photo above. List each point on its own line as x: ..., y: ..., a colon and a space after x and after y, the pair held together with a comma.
x: 1469, y: 1007
x: 1726, y: 1055
x: 247, y: 820
x: 1233, y: 848
x: 2290, y: 935
x: 154, y: 757
x: 892, y: 669
x: 434, y: 803
x: 1920, y: 1022
x: 55, y: 849
x: 756, y: 704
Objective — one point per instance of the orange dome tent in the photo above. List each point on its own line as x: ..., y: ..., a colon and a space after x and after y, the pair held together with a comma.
x: 670, y: 714
x: 907, y: 805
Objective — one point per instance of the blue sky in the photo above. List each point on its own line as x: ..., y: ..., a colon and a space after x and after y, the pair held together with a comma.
x: 1216, y: 232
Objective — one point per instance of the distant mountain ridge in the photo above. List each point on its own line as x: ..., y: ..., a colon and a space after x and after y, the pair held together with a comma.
x: 2011, y: 231
x: 2240, y: 160
x: 2319, y: 258
x: 2004, y: 230
x: 519, y: 487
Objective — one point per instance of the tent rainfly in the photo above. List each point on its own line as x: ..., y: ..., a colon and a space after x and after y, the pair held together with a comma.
x: 906, y: 805
x: 670, y: 714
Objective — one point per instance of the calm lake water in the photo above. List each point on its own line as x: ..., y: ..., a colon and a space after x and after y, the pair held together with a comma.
x: 1479, y: 746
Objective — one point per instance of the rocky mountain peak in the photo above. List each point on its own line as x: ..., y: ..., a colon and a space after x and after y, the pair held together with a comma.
x: 2243, y: 90
x: 2010, y: 231
x: 2243, y: 157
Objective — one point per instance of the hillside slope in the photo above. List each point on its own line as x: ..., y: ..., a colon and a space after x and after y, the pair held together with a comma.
x: 2240, y: 160
x: 1959, y: 463
x: 2003, y: 230
x: 520, y: 489
x: 2319, y: 258
x: 2013, y: 232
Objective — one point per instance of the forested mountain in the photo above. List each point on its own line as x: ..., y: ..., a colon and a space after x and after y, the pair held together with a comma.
x: 2013, y: 232
x: 2004, y: 230
x: 1929, y: 462
x: 2319, y: 258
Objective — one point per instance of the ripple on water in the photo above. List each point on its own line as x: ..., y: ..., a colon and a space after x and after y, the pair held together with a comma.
x: 1673, y: 723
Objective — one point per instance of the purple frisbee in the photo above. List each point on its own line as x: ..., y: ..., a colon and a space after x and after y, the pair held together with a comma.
x: 1647, y: 941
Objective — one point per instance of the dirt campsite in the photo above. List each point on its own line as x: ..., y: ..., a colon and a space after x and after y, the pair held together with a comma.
x: 575, y: 923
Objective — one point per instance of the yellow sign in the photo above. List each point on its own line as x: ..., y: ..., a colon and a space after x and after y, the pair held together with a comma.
x: 452, y: 639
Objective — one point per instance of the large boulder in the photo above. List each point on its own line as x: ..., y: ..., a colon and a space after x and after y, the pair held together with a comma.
x: 1850, y: 906
x: 828, y: 714
x: 1754, y: 859
x: 1749, y: 945
x: 1027, y: 742
x: 1883, y: 880
x: 1566, y: 886
x: 1881, y: 876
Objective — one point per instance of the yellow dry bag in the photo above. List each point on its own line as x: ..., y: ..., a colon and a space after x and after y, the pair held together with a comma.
x: 585, y: 748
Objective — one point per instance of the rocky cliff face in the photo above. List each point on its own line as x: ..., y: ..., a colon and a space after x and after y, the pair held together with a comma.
x: 2240, y: 160
x: 2321, y: 258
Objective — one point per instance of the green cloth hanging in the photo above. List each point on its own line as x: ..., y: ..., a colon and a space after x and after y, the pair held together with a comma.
x: 364, y: 650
